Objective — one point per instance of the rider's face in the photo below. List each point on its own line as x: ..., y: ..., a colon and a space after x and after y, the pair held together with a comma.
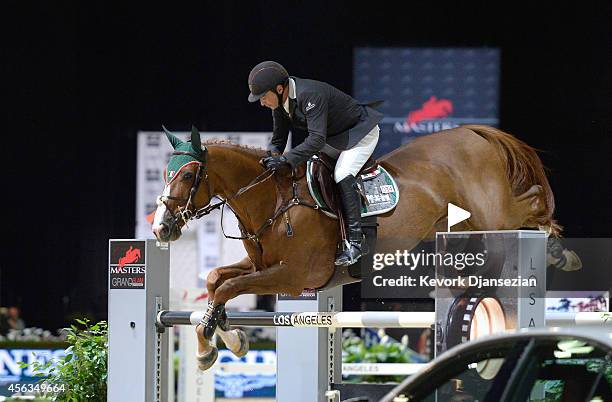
x: 270, y: 100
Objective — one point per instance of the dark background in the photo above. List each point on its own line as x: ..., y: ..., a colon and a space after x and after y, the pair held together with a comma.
x: 82, y: 80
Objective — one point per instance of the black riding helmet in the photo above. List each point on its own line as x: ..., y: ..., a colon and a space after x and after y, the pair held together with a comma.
x: 265, y: 77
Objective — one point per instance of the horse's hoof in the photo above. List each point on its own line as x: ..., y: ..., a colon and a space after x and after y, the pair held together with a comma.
x: 244, y: 344
x: 572, y: 261
x: 206, y: 360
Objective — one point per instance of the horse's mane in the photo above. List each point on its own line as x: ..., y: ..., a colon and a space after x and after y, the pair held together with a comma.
x: 255, y: 151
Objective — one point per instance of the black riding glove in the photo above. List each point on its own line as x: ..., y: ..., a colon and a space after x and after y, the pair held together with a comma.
x: 274, y: 162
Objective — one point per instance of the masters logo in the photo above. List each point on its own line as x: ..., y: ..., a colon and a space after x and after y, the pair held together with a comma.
x: 429, y: 118
x: 131, y: 256
x: 127, y: 266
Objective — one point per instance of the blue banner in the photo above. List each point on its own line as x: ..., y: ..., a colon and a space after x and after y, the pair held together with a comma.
x: 427, y: 89
x: 257, y: 381
x: 11, y: 373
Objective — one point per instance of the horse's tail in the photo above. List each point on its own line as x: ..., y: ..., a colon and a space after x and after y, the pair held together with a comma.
x: 524, y: 169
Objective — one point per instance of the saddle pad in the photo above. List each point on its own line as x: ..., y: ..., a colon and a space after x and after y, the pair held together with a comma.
x: 378, y: 186
x: 380, y: 190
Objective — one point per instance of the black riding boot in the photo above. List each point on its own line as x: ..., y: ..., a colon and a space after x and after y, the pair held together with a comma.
x: 352, y: 215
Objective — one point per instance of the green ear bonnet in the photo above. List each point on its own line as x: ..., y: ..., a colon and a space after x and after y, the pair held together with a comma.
x: 186, y: 153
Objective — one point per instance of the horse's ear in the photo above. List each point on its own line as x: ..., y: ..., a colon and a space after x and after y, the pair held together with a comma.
x: 174, y: 140
x: 196, y: 142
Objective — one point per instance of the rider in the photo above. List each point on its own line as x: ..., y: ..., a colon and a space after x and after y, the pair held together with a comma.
x: 337, y: 125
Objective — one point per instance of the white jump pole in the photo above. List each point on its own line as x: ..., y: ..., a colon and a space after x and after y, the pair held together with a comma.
x: 555, y: 319
x: 314, y: 319
x: 366, y: 319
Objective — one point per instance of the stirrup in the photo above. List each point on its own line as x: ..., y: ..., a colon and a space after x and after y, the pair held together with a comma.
x: 350, y: 255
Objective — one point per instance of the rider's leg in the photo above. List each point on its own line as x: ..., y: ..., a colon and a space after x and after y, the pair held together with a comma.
x: 351, y: 206
x: 348, y: 166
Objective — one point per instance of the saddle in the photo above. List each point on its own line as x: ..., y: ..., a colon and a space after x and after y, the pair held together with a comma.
x: 323, y: 175
x: 323, y: 188
x: 379, y: 194
x: 378, y: 189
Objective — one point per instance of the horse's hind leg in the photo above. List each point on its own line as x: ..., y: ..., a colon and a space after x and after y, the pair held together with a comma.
x: 530, y: 205
x: 523, y: 211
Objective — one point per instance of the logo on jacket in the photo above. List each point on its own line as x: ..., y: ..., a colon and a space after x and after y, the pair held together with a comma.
x: 428, y: 118
x: 309, y: 106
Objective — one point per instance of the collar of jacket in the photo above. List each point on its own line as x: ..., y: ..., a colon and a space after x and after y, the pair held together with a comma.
x: 292, y: 97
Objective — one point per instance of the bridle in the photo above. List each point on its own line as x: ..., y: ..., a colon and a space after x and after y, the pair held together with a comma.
x: 187, y: 212
x: 190, y: 211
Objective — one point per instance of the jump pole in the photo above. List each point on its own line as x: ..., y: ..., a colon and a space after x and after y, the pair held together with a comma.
x: 366, y: 319
x: 314, y: 319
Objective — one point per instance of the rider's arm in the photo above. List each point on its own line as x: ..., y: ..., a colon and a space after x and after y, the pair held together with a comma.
x: 280, y: 132
x: 314, y: 106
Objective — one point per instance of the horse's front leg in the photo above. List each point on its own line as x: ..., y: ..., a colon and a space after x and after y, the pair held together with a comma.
x: 273, y: 280
x: 214, y: 319
x: 218, y: 275
x: 278, y: 278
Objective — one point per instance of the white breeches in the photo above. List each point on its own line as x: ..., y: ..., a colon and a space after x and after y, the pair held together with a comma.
x: 352, y: 160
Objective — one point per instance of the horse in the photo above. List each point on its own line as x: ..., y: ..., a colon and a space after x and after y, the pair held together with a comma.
x: 497, y: 177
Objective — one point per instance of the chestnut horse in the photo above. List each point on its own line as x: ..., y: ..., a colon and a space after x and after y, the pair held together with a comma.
x: 486, y: 171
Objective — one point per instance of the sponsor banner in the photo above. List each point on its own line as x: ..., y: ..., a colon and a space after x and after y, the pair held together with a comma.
x: 427, y: 89
x: 251, y: 376
x: 127, y: 267
x: 12, y: 373
x: 381, y: 368
x: 248, y: 385
x: 565, y: 301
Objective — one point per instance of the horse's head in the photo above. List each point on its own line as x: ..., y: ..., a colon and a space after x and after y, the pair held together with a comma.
x: 187, y: 188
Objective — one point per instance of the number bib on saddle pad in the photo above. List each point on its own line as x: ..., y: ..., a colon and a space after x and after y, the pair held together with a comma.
x: 380, y: 190
x: 376, y: 184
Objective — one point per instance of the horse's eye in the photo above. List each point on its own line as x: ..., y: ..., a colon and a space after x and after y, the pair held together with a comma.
x: 187, y: 175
